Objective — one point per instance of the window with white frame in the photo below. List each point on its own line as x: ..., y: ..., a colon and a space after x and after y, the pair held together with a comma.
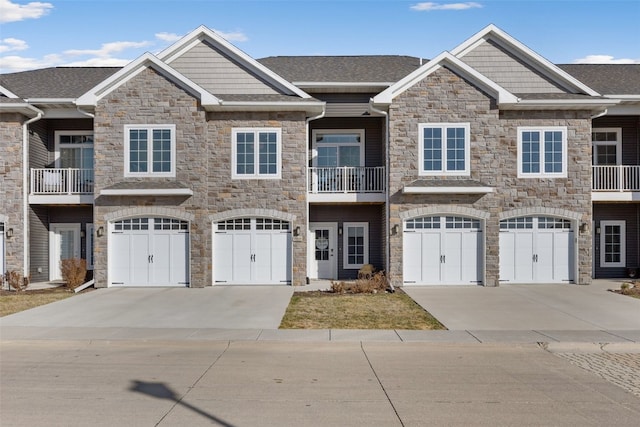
x: 612, y: 244
x: 338, y: 148
x: 355, y: 242
x: 542, y: 152
x: 444, y: 149
x: 74, y: 149
x: 256, y: 153
x: 150, y: 150
x: 607, y: 146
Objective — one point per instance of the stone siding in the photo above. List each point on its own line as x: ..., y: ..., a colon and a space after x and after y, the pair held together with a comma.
x: 203, y: 155
x: 444, y: 97
x: 11, y: 189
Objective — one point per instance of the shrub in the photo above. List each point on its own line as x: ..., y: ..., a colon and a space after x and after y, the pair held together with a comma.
x: 338, y: 287
x: 371, y: 284
x: 74, y: 271
x: 16, y: 280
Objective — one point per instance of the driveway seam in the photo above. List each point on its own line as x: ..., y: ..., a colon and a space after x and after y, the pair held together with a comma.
x: 191, y: 387
x: 380, y: 383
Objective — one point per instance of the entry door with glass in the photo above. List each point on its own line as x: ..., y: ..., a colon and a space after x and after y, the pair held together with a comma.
x: 323, y: 257
x: 64, y: 243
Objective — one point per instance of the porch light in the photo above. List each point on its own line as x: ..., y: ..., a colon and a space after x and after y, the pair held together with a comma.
x: 9, y: 233
x: 296, y: 231
x: 100, y: 231
x: 394, y: 230
x: 584, y: 227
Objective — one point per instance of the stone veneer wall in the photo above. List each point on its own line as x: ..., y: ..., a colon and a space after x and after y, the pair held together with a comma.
x: 11, y: 188
x: 203, y: 155
x: 445, y: 97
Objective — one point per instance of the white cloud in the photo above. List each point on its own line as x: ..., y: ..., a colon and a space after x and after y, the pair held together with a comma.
x: 13, y: 12
x: 429, y: 6
x: 605, y: 59
x: 107, y: 49
x: 11, y: 44
x: 168, y: 37
x: 14, y: 63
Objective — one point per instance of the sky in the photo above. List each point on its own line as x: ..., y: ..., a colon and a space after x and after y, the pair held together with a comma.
x: 113, y: 32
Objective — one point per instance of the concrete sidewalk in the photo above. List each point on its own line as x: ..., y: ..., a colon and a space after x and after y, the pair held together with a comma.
x: 124, y: 383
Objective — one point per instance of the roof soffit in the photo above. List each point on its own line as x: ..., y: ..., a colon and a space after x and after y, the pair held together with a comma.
x: 134, y: 68
x: 525, y: 54
x: 446, y: 59
x: 205, y: 34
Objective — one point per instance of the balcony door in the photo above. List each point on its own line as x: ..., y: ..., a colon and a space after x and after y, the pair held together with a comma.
x: 335, y: 153
x: 74, y: 150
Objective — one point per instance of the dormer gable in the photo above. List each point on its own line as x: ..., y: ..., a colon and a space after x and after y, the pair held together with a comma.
x: 220, y: 67
x: 515, y: 66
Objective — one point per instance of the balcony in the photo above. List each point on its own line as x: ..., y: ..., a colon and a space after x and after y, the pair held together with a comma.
x: 616, y: 183
x: 61, y: 186
x: 347, y: 184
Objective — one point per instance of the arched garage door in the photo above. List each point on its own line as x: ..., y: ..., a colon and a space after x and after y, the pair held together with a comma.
x: 252, y: 251
x: 439, y: 250
x: 536, y: 249
x: 149, y: 252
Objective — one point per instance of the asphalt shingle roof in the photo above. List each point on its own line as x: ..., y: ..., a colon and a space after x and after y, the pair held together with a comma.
x: 607, y: 79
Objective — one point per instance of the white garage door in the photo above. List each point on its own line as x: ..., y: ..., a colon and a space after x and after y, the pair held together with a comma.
x: 149, y: 252
x: 441, y: 250
x: 252, y: 251
x: 536, y: 250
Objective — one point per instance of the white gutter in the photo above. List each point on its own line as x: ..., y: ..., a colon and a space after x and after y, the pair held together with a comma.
x: 25, y: 189
x: 386, y: 193
x: 306, y: 178
x: 602, y: 113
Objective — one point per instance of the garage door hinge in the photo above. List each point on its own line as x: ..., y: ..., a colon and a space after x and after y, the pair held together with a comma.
x: 221, y: 232
x: 406, y: 281
x: 504, y: 280
x: 117, y: 232
x: 409, y: 231
x: 221, y: 281
x: 183, y: 283
x: 117, y: 283
x: 475, y: 281
x: 285, y: 281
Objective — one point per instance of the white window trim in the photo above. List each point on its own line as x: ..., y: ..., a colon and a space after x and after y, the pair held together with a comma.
x: 58, y: 145
x: 623, y: 249
x: 345, y: 244
x: 543, y: 129
x: 256, y: 174
x: 89, y: 240
x: 467, y: 149
x: 314, y: 144
x: 617, y: 143
x: 150, y: 173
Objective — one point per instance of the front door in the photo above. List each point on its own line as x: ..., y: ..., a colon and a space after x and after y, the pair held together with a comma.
x: 64, y: 243
x: 323, y: 257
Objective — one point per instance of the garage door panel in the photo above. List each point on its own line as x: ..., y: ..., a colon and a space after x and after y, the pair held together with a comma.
x: 139, y: 256
x: 452, y: 257
x: 507, y: 256
x: 120, y: 261
x: 241, y: 261
x: 471, y: 256
x: 563, y: 256
x: 179, y: 262
x: 281, y: 265
x: 223, y: 258
x: 412, y: 258
x: 523, y: 257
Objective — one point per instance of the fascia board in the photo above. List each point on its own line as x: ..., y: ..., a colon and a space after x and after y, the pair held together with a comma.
x: 6, y: 92
x: 133, y: 69
x: 445, y: 59
x: 203, y: 33
x: 268, y: 106
x: 523, y: 52
x: 22, y: 108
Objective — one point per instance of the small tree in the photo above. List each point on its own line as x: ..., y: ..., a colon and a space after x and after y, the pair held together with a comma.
x: 74, y: 271
x: 16, y: 280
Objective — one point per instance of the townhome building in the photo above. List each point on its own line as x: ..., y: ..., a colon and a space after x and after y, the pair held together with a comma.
x: 201, y: 166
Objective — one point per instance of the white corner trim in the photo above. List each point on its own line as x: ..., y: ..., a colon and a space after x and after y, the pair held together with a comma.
x: 148, y: 192
x: 447, y: 190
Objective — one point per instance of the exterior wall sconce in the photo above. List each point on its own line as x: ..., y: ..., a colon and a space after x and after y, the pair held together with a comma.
x: 584, y: 227
x: 340, y: 231
x: 9, y: 233
x: 394, y: 230
x: 82, y: 234
x: 100, y: 231
x: 296, y: 231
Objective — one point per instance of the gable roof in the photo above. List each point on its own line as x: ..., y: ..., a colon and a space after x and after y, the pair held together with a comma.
x: 525, y: 54
x: 203, y: 33
x: 445, y: 59
x: 91, y: 97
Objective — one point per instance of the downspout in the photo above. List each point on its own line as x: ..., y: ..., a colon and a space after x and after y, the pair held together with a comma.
x: 600, y: 114
x: 25, y: 189
x: 386, y: 183
x: 306, y: 180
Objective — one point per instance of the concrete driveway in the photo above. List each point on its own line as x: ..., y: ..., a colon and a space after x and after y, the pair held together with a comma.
x: 530, y: 307
x: 228, y: 307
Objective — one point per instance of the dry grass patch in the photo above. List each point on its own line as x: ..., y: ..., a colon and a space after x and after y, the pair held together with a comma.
x: 325, y: 310
x: 631, y: 289
x: 13, y: 302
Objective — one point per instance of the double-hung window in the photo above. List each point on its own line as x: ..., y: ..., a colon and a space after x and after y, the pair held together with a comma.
x: 256, y: 153
x: 444, y: 149
x: 150, y: 150
x: 542, y: 152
